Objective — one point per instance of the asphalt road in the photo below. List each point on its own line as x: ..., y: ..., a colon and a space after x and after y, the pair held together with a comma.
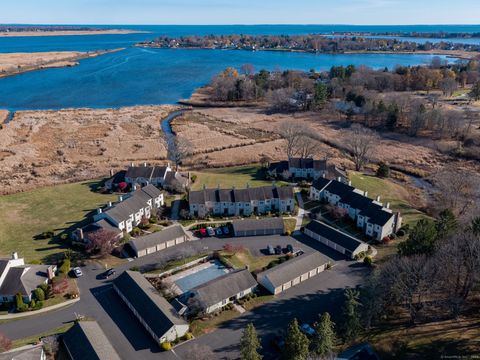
x: 98, y: 300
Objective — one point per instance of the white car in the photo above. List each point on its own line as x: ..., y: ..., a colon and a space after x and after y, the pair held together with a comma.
x: 77, y: 272
x: 210, y: 231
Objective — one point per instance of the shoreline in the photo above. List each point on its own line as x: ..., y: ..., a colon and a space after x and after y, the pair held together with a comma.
x: 70, y: 33
x: 68, y: 61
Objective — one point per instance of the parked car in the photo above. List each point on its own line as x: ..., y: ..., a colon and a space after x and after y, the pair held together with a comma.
x: 219, y: 231
x: 210, y: 231
x: 225, y: 230
x: 278, y: 250
x: 77, y: 272
x: 270, y: 250
x: 278, y: 342
x: 298, y: 252
x: 108, y: 273
x: 307, y: 329
x: 289, y: 248
x: 202, y: 232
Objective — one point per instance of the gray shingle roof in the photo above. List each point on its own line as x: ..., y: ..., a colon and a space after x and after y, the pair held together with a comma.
x: 258, y: 224
x: 86, y: 341
x: 157, y: 313
x: 241, y: 195
x: 134, y: 172
x: 308, y: 164
x: 23, y: 279
x: 159, y: 237
x: 224, y: 287
x: 294, y: 268
x: 339, y: 237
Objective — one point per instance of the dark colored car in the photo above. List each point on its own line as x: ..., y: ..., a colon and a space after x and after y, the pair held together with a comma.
x: 289, y: 248
x: 108, y: 273
x: 278, y: 250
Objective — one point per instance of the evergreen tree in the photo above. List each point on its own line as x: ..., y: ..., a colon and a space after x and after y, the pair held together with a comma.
x: 383, y: 171
x: 324, y: 340
x: 351, y: 317
x: 296, y: 343
x: 421, y: 239
x: 445, y: 223
x: 249, y: 344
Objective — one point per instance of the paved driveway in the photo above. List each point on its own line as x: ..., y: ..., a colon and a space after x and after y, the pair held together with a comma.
x: 99, y: 301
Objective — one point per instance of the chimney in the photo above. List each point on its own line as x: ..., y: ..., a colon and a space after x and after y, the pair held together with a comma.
x: 323, y: 175
x: 365, y: 194
x: 388, y: 205
x: 378, y: 198
x: 339, y: 179
x: 109, y: 204
x: 111, y: 172
x: 120, y: 198
x: 15, y: 256
x: 349, y: 182
x: 144, y: 164
x: 50, y: 273
x: 80, y: 234
x: 99, y: 211
x: 132, y: 164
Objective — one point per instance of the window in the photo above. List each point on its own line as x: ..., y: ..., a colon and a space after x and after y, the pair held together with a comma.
x: 224, y: 302
x: 242, y: 294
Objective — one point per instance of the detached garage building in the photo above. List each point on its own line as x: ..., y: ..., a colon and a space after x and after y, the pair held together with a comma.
x: 335, y: 239
x: 256, y: 227
x: 158, y: 241
x: 153, y: 311
x: 292, y: 272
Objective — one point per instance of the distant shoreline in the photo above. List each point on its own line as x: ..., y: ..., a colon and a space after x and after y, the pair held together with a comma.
x: 70, y: 32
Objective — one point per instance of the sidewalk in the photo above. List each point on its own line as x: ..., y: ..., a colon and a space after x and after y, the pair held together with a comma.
x: 301, y: 212
x: 36, y: 312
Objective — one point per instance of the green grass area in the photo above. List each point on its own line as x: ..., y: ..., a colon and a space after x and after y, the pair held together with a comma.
x: 389, y: 191
x: 204, y: 326
x: 242, y: 258
x: 257, y: 301
x: 34, y: 339
x: 290, y: 224
x: 59, y: 208
x: 238, y: 176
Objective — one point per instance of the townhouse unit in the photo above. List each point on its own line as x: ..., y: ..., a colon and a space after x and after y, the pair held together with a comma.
x: 375, y: 219
x: 299, y: 168
x: 217, y: 293
x: 16, y: 277
x: 241, y: 202
x: 131, y: 208
x: 152, y: 310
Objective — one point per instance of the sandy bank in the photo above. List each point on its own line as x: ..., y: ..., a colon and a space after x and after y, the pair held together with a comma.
x: 70, y: 33
x: 17, y: 63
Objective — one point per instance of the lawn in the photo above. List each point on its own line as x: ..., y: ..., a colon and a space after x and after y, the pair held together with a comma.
x: 389, y: 191
x: 204, y: 326
x: 34, y: 339
x: 238, y: 176
x: 242, y: 258
x: 26, y: 215
x: 290, y: 224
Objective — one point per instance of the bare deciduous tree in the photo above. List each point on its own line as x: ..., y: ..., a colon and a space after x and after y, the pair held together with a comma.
x: 178, y: 150
x: 101, y: 242
x: 300, y: 140
x: 360, y: 142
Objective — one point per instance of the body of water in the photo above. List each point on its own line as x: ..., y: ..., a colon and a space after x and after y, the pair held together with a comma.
x: 138, y: 76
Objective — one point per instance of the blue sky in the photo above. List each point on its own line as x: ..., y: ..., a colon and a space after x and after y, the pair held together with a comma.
x: 241, y: 11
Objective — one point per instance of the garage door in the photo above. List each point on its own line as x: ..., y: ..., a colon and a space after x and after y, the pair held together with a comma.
x: 287, y: 285
x: 313, y: 272
x: 296, y: 281
x: 170, y: 243
x: 180, y: 240
x: 160, y: 246
x: 304, y: 277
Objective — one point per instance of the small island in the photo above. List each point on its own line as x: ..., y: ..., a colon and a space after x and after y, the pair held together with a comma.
x: 41, y: 30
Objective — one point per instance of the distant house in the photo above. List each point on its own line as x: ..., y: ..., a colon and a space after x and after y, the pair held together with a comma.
x: 241, y: 202
x: 255, y: 227
x: 131, y: 208
x: 223, y: 290
x: 298, y: 168
x: 375, y: 219
x: 158, y: 241
x: 16, y: 277
x: 292, y: 272
x: 160, y: 176
x: 35, y: 352
x: 361, y: 351
x: 155, y: 313
x: 335, y: 239
x: 86, y: 341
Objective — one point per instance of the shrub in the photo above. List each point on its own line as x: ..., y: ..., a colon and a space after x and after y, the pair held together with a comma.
x: 64, y: 237
x: 37, y: 305
x: 47, y: 234
x: 136, y: 231
x: 135, y: 268
x: 39, y: 294
x: 392, y: 236
x: 193, y: 178
x: 383, y: 171
x: 19, y: 304
x: 166, y: 346
x: 188, y: 336
x: 386, y: 240
x: 288, y: 233
x: 65, y: 268
x: 401, y: 233
x: 368, y: 261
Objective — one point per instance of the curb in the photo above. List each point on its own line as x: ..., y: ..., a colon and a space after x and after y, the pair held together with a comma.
x: 41, y: 311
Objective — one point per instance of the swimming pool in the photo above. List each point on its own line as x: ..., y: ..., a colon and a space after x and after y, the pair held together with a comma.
x: 188, y: 282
